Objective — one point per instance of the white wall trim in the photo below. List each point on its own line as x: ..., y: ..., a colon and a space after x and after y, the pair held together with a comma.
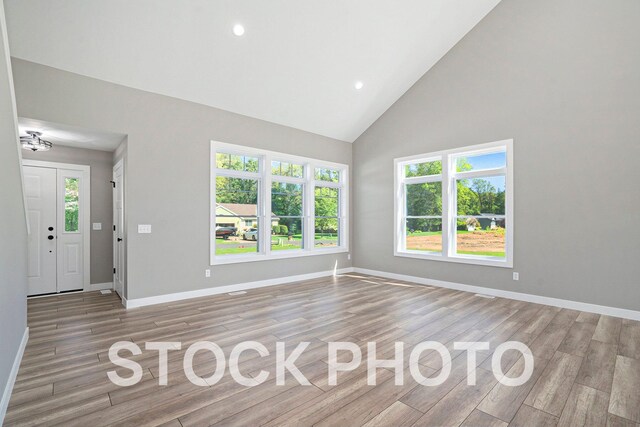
x: 6, y: 395
x: 519, y: 296
x: 100, y: 286
x: 141, y: 302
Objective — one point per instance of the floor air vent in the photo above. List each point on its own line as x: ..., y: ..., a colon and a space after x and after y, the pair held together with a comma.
x: 485, y: 296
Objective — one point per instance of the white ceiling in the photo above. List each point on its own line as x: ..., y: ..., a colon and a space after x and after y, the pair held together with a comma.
x: 70, y: 136
x: 296, y: 64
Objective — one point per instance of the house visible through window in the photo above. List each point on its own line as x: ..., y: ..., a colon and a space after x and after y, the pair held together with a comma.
x: 456, y: 205
x: 272, y: 205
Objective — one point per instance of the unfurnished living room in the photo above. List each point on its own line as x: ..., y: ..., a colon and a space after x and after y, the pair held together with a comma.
x: 320, y: 213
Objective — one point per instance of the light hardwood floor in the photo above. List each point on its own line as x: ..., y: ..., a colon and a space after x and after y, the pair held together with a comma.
x: 587, y: 367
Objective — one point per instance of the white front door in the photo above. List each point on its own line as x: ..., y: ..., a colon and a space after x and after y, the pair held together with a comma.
x: 56, y: 242
x: 118, y: 230
x: 40, y: 189
x: 70, y: 230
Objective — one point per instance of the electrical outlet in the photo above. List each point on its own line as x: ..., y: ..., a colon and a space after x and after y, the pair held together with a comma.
x: 207, y: 273
x: 97, y: 226
x: 144, y: 228
x: 516, y: 276
x: 349, y: 257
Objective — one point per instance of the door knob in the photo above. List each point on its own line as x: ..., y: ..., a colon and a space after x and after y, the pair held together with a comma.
x: 119, y: 239
x: 50, y: 237
x: 50, y: 229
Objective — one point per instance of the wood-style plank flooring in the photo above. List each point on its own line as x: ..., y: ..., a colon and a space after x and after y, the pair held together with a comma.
x: 587, y: 367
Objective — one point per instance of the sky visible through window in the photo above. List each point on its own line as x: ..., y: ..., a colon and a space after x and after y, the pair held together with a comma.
x: 489, y: 161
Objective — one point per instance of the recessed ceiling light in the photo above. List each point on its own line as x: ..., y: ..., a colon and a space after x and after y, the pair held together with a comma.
x: 358, y: 85
x: 238, y: 30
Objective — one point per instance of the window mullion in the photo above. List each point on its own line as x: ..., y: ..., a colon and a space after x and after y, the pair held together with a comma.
x: 309, y: 200
x: 287, y: 179
x: 446, y: 206
x: 343, y: 193
x: 402, y: 210
x: 327, y: 184
x: 453, y: 210
x: 423, y: 179
x: 452, y: 205
x: 265, y: 211
x: 237, y: 174
x: 481, y: 173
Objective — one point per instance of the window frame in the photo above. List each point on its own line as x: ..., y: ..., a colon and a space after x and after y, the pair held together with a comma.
x: 265, y: 179
x: 448, y: 178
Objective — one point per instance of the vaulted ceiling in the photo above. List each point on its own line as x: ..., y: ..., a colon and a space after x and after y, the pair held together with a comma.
x: 297, y: 63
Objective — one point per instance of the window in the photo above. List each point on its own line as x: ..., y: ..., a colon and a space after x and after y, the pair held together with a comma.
x: 268, y: 205
x: 456, y: 205
x: 71, y: 206
x: 287, y: 216
x: 287, y: 169
x: 236, y: 202
x: 327, y: 216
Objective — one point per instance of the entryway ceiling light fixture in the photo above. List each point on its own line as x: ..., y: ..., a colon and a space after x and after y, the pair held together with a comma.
x: 33, y: 142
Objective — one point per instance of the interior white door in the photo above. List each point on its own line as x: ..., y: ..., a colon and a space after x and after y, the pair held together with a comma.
x: 40, y: 189
x: 70, y: 230
x: 118, y: 230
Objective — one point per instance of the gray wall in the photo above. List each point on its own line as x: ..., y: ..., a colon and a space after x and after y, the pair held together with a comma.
x: 562, y: 78
x: 167, y: 182
x: 13, y: 229
x: 101, y: 201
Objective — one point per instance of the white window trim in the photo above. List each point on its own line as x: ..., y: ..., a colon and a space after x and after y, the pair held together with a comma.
x: 264, y: 194
x: 448, y: 178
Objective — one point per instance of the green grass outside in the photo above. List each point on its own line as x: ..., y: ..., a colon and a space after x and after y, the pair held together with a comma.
x: 332, y: 236
x: 284, y: 247
x: 433, y: 233
x: 324, y: 236
x: 228, y: 251
x: 225, y: 242
x: 221, y: 250
x: 481, y: 253
x: 286, y: 236
x: 282, y: 236
x: 425, y: 233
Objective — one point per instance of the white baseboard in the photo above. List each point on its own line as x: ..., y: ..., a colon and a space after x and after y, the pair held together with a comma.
x: 537, y: 299
x: 6, y: 395
x: 141, y: 302
x: 123, y: 300
x: 100, y: 286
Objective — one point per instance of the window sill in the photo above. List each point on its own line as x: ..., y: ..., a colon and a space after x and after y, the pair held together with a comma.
x: 236, y: 259
x: 475, y: 260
